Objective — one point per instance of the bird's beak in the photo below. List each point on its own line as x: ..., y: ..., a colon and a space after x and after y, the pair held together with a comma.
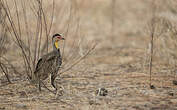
x: 62, y: 38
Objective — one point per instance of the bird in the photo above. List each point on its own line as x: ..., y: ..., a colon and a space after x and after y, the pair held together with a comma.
x: 50, y: 63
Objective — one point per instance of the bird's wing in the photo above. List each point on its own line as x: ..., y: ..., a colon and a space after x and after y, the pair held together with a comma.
x: 43, y: 60
x: 38, y: 64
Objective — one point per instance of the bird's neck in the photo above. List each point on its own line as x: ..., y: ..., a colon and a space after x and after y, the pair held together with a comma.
x: 57, y: 51
x: 56, y: 46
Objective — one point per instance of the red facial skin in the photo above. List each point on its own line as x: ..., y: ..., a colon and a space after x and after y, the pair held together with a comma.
x: 60, y: 38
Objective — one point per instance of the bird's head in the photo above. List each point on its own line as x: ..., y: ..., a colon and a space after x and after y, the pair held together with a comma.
x: 56, y: 38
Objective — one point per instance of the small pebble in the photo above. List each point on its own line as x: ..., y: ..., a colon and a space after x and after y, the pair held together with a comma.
x: 102, y: 92
x: 2, y: 108
x: 91, y: 102
x: 175, y: 82
x: 152, y: 86
x: 171, y: 93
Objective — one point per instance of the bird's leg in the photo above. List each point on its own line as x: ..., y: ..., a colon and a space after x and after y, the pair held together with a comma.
x: 53, y: 76
x: 39, y: 85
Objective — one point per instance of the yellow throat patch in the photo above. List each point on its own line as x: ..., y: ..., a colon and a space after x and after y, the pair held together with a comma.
x: 56, y: 44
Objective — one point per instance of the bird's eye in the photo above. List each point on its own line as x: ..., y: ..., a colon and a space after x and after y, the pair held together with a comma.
x: 59, y: 37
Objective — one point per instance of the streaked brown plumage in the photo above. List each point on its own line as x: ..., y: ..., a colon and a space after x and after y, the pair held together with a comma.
x: 49, y: 63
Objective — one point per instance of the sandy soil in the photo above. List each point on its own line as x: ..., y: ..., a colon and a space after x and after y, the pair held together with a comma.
x: 118, y: 64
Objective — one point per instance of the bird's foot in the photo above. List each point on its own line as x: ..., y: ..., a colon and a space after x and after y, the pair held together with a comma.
x: 59, y: 92
x: 55, y: 91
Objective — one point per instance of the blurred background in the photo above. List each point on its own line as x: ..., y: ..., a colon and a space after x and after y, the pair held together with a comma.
x: 122, y: 31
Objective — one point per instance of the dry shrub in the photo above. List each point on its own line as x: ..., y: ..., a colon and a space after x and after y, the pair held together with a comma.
x: 167, y: 41
x: 162, y: 32
x: 163, y: 26
x: 31, y: 24
x: 4, y: 63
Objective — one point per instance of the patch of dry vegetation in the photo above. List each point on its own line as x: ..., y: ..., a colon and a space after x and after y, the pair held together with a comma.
x: 119, y: 63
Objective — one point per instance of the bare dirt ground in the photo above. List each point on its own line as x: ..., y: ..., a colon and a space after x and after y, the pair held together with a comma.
x: 117, y: 64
